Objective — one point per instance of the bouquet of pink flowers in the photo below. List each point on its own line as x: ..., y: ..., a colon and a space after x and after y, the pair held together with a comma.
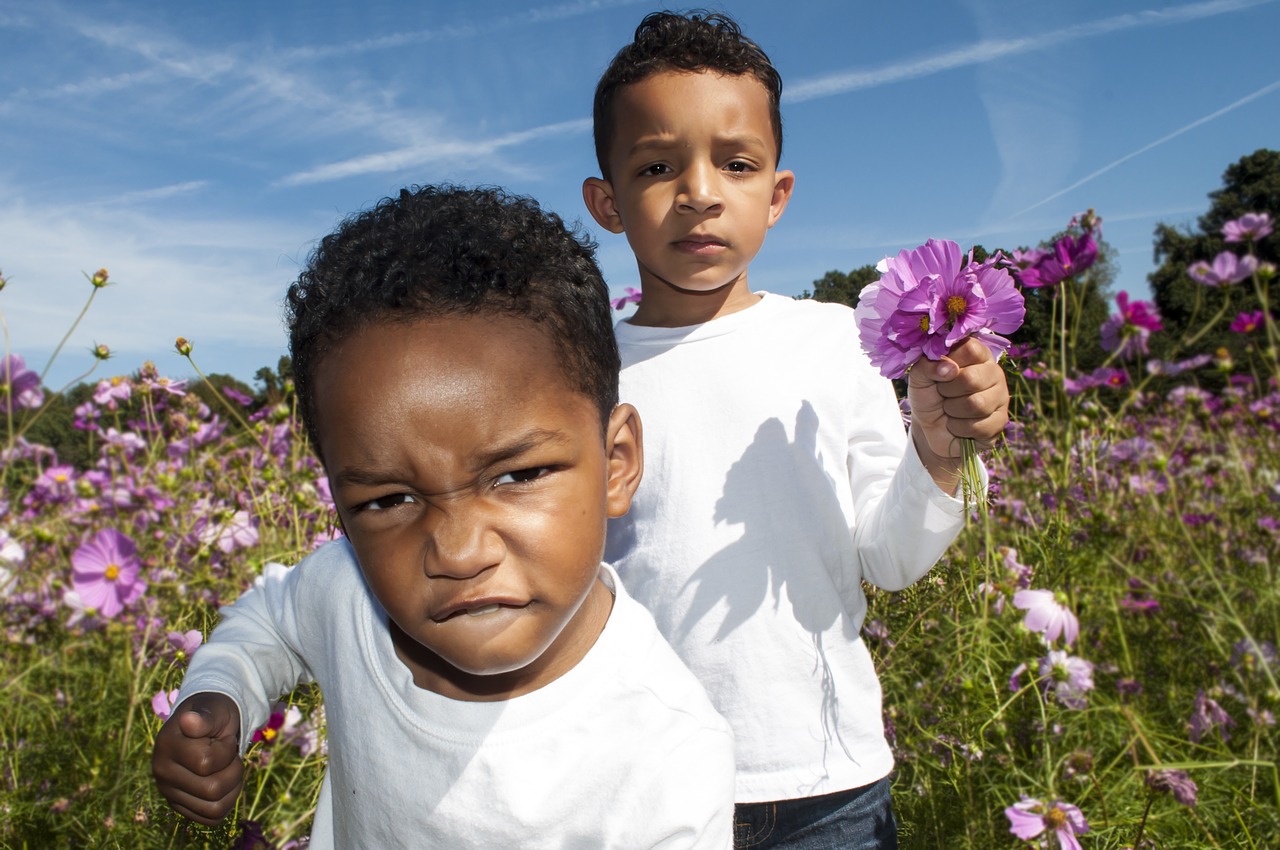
x: 926, y: 302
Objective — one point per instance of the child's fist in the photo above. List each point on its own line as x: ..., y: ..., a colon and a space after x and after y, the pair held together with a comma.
x: 196, y: 761
x: 963, y: 395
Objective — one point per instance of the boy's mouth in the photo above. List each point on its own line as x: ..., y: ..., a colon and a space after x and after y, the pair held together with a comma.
x: 476, y: 608
x: 700, y: 244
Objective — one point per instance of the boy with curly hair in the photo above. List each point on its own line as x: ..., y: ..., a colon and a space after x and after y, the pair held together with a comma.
x: 779, y: 474
x: 487, y: 680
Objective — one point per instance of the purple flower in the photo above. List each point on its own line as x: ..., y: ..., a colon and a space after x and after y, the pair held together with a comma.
x: 1069, y: 677
x: 106, y: 573
x: 269, y: 733
x: 928, y: 299
x: 1046, y: 615
x: 1247, y: 323
x: 109, y: 392
x: 1126, y: 332
x: 1070, y: 256
x: 237, y: 532
x: 1227, y: 269
x: 1030, y: 818
x: 163, y: 703
x: 1250, y: 227
x: 20, y: 384
x: 237, y: 396
x: 184, y: 643
x: 1207, y: 715
x: 1175, y: 782
x: 632, y: 296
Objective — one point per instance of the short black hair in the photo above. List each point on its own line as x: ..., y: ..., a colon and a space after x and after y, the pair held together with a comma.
x: 437, y: 251
x: 692, y: 41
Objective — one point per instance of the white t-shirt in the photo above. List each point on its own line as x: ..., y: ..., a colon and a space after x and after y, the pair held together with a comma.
x: 623, y: 751
x: 778, y: 476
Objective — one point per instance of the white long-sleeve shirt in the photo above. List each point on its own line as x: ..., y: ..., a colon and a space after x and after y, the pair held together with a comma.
x: 623, y: 751
x: 778, y: 477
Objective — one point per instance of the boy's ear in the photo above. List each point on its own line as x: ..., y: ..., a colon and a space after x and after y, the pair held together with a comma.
x: 624, y: 448
x: 784, y: 182
x: 598, y: 195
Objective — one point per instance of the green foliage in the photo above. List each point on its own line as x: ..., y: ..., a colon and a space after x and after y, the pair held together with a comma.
x: 840, y: 288
x: 1250, y: 185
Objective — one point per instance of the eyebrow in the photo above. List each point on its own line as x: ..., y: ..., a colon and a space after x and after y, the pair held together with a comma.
x: 534, y: 438
x: 648, y: 143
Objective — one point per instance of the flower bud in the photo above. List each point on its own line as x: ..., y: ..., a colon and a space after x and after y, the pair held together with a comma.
x: 183, y: 346
x: 3, y: 280
x: 101, y: 351
x: 99, y: 278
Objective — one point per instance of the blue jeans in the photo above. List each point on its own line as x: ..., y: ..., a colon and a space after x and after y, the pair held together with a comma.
x: 858, y: 819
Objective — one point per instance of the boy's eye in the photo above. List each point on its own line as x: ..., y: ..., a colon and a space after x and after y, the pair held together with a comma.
x: 521, y: 476
x: 655, y: 170
x: 739, y: 167
x: 383, y: 503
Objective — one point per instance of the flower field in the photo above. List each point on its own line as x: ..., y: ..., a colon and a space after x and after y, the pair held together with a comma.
x: 1093, y: 664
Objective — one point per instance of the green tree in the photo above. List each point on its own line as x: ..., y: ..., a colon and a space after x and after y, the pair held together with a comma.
x: 840, y: 288
x: 1250, y: 185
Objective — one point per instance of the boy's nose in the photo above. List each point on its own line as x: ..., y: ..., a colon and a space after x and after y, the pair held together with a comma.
x: 699, y: 192
x: 463, y: 544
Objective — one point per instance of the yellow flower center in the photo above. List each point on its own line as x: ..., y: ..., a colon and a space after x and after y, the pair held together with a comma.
x: 1055, y: 818
x: 956, y: 306
x: 924, y: 323
x: 111, y: 573
x: 269, y: 735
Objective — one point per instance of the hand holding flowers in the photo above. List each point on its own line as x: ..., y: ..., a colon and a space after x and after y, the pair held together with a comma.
x: 937, y: 318
x: 961, y: 397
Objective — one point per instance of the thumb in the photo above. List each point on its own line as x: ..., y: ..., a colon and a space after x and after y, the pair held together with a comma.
x: 933, y: 371
x: 206, y: 718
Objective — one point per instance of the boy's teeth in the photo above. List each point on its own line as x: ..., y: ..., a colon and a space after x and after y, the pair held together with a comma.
x: 480, y: 612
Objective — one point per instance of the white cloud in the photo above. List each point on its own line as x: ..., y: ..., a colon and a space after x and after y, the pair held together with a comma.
x: 435, y: 151
x: 990, y: 50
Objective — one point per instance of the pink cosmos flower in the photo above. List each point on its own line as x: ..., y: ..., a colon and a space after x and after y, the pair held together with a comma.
x: 1046, y: 615
x: 1226, y: 269
x: 237, y: 396
x: 1250, y: 227
x: 109, y: 392
x: 1069, y: 256
x: 19, y: 383
x: 164, y: 702
x: 184, y: 643
x: 1175, y: 782
x: 269, y: 733
x: 632, y: 296
x: 1247, y: 323
x: 1068, y: 677
x: 1030, y: 818
x: 1126, y: 332
x: 237, y: 532
x: 1207, y: 715
x: 929, y: 299
x: 106, y: 572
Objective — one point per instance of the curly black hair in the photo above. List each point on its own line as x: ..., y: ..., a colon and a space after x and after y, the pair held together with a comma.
x: 445, y: 250
x: 694, y: 41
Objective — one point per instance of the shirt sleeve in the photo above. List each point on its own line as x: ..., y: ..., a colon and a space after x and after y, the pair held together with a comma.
x: 255, y: 653
x: 904, y: 521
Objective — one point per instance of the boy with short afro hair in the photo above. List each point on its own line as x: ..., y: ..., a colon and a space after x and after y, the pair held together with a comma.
x: 779, y: 475
x: 487, y: 680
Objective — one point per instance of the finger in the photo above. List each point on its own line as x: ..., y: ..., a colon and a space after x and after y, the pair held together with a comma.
x: 208, y: 715
x: 209, y: 812
x: 204, y: 798
x: 926, y: 371
x: 970, y: 352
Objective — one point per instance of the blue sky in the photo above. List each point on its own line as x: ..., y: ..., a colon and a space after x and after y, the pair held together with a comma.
x: 199, y: 150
